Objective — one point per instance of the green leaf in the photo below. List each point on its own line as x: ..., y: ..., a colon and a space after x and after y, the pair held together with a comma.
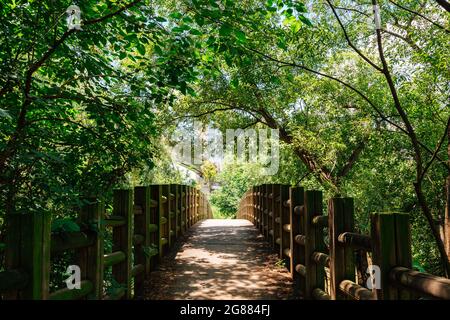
x: 305, y: 20
x: 282, y: 43
x: 160, y: 19
x: 199, y: 20
x: 240, y: 36
x: 225, y: 30
x: 64, y: 225
x: 300, y: 7
x: 195, y: 32
x: 4, y: 114
x: 178, y: 29
x: 141, y: 49
x: 175, y: 15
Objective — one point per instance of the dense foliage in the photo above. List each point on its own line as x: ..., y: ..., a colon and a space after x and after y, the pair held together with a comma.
x: 361, y: 112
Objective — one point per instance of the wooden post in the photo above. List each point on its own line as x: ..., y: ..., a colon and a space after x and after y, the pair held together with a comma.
x: 254, y: 206
x: 391, y: 247
x: 285, y: 252
x: 200, y: 205
x: 90, y: 259
x: 173, y: 213
x: 122, y: 238
x: 182, y: 195
x: 191, y: 206
x: 194, y: 209
x: 257, y: 211
x: 179, y: 202
x: 296, y: 195
x: 266, y: 211
x: 164, y: 220
x: 314, y: 242
x: 250, y: 205
x: 197, y: 205
x: 194, y: 206
x: 187, y: 205
x: 258, y: 207
x: 269, y: 206
x: 263, y: 209
x: 186, y: 208
x: 169, y: 214
x: 270, y: 218
x: 342, y: 262
x: 142, y: 196
x: 154, y: 219
x: 276, y: 218
x: 28, y: 250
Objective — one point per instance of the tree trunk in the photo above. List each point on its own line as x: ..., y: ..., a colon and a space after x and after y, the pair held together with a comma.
x: 447, y: 202
x: 447, y: 219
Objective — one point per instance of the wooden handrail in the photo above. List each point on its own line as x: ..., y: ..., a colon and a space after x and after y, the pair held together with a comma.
x: 356, y: 240
x: 150, y: 219
x: 293, y: 223
x: 425, y: 283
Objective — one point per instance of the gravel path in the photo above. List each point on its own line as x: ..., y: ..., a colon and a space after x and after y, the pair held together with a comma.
x: 220, y: 259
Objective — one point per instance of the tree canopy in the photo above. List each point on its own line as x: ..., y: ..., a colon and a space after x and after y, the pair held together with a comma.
x: 361, y: 107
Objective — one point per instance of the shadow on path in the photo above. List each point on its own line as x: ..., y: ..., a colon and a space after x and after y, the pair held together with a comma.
x: 220, y: 259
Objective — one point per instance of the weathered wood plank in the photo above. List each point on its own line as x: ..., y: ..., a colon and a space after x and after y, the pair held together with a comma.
x: 425, y: 283
x: 122, y: 240
x: 296, y: 196
x: 391, y: 245
x: 142, y: 198
x: 315, y: 275
x: 90, y: 259
x: 342, y: 265
x: 86, y: 287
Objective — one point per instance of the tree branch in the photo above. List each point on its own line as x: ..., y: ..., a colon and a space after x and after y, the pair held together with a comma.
x: 227, y: 107
x: 350, y: 43
x: 349, y: 86
x: 444, y: 4
x: 421, y: 15
x: 353, y: 158
x: 406, y: 39
x: 438, y: 147
x: 352, y: 9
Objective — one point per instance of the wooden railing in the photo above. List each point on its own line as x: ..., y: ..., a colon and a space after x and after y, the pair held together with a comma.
x: 145, y: 222
x: 292, y: 220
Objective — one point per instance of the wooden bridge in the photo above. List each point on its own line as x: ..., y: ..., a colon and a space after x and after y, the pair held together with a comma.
x: 166, y: 246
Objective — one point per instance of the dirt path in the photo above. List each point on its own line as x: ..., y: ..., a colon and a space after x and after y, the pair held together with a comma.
x: 220, y: 259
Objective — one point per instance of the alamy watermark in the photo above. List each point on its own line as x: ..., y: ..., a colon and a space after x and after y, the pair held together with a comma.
x: 259, y: 146
x: 73, y: 17
x: 374, y: 279
x: 74, y: 279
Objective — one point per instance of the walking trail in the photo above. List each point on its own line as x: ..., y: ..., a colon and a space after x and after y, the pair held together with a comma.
x: 220, y: 259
